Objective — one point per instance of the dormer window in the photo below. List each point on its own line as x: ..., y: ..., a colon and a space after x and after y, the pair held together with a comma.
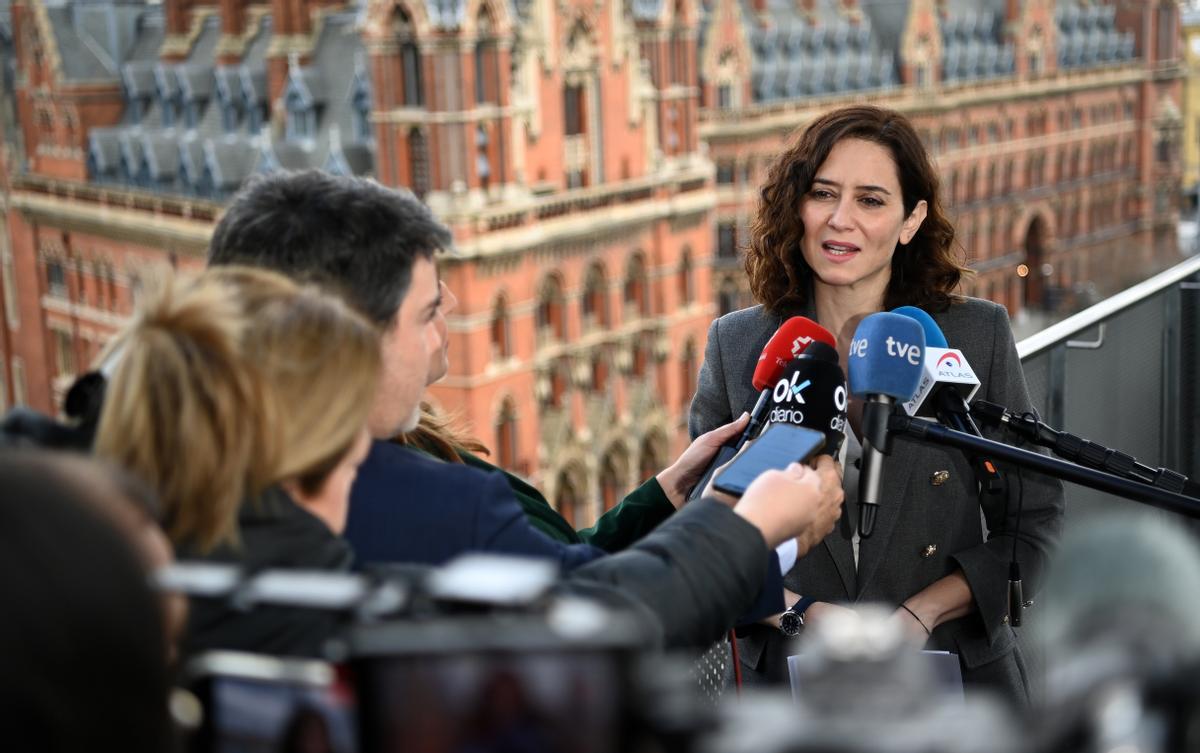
x: 169, y: 100
x: 231, y: 116
x: 140, y: 87
x: 229, y: 99
x: 192, y: 112
x: 196, y: 85
x: 257, y: 119
x: 304, y: 105
x: 254, y: 99
x: 361, y: 108
x: 301, y: 123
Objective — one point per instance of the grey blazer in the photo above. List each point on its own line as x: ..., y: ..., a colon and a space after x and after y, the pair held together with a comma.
x: 896, y: 562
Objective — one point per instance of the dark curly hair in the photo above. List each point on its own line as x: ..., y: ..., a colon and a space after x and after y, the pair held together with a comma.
x: 925, y: 275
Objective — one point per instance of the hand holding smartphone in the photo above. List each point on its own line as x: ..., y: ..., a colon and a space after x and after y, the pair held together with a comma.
x: 777, y: 447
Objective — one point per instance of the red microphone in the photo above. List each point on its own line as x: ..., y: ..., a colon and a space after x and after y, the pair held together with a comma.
x: 789, y: 341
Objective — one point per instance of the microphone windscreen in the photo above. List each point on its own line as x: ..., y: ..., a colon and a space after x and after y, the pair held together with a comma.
x: 934, y: 337
x: 789, y: 341
x: 819, y: 351
x: 886, y: 356
x: 811, y: 392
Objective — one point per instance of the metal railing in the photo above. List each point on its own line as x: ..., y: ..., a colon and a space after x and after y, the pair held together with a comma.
x: 1125, y: 373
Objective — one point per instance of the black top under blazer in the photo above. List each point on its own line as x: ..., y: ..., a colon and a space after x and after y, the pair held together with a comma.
x: 895, y: 562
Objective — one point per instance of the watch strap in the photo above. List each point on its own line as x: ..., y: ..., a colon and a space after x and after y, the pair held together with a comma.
x: 801, y: 606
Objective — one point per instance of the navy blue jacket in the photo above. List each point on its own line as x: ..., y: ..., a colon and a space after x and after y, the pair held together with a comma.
x: 406, y: 506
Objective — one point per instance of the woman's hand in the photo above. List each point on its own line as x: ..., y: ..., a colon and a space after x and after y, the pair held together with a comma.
x: 914, y: 632
x: 817, y: 611
x: 823, y: 610
x: 792, y: 503
x: 941, y: 601
x: 681, y: 476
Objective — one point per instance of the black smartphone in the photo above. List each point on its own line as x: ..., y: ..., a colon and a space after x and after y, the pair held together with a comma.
x: 776, y: 447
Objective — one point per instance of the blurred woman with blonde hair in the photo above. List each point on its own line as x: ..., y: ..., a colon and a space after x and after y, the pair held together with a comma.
x: 242, y: 397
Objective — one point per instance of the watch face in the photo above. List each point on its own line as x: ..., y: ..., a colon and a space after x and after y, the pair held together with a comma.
x: 790, y: 623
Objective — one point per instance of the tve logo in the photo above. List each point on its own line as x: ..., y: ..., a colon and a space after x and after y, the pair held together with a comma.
x: 787, y: 390
x: 910, y: 353
x: 858, y: 348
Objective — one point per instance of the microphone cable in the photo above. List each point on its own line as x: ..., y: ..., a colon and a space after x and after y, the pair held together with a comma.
x: 1016, y: 591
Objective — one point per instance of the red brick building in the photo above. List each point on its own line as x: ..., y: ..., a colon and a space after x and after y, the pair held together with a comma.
x: 596, y: 162
x: 1056, y: 126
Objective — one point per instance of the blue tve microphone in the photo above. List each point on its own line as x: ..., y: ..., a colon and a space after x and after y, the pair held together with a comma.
x: 886, y: 358
x: 934, y: 337
x: 947, y: 383
x: 947, y: 380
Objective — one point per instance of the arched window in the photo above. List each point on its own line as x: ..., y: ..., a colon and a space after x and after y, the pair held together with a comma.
x: 487, y: 60
x: 1166, y: 31
x: 56, y: 278
x: 637, y: 288
x: 678, y: 62
x: 688, y: 369
x: 727, y: 298
x: 506, y: 435
x: 559, y: 381
x: 653, y: 458
x: 686, y: 284
x: 551, y: 315
x: 613, y: 473
x: 570, y: 498
x: 599, y: 372
x: 501, y: 330
x: 642, y: 353
x: 413, y: 94
x: 483, y: 165
x: 727, y: 240
x: 418, y: 163
x: 595, y: 297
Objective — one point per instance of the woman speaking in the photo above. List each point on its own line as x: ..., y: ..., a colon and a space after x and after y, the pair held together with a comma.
x: 849, y: 224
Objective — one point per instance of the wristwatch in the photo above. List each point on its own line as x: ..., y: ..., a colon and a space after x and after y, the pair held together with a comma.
x: 791, y: 622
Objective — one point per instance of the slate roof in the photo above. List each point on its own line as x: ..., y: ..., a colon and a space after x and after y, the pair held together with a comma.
x: 793, y: 58
x: 447, y: 15
x: 335, y: 74
x: 1088, y: 37
x: 95, y: 38
x: 201, y: 128
x: 973, y: 45
x: 196, y: 127
x: 175, y: 135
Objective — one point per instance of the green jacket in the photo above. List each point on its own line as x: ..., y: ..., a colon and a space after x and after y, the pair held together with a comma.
x: 635, y: 516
